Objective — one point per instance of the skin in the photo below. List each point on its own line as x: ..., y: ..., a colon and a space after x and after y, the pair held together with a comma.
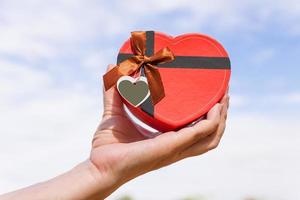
x: 120, y: 153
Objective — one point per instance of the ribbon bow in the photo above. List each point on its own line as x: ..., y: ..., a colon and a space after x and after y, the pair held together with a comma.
x: 134, y: 63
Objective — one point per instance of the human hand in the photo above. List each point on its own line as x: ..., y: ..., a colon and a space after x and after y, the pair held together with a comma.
x: 121, y: 153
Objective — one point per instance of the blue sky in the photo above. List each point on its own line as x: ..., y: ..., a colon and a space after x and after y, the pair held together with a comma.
x: 262, y: 39
x: 53, y: 54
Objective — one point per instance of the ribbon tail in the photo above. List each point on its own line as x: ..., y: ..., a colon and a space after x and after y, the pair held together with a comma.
x: 155, y: 83
x: 126, y: 67
x: 111, y: 78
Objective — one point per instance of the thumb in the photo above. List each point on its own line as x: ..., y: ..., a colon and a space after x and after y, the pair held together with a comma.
x: 111, y: 98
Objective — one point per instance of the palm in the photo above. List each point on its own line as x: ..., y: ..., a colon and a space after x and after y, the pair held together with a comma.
x: 115, y: 123
x: 116, y: 136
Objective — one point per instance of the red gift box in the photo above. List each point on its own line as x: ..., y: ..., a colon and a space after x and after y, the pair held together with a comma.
x: 193, y: 82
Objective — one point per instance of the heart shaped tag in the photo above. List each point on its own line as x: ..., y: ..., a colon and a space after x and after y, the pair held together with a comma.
x: 134, y: 90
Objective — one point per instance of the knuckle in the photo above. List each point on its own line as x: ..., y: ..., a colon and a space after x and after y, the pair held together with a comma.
x: 214, y: 125
x: 222, y: 128
x: 228, y: 102
x: 225, y: 116
x: 214, y: 144
x: 227, y: 98
x: 196, y: 133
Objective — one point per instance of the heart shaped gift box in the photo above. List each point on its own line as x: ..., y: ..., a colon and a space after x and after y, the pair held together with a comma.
x: 193, y: 82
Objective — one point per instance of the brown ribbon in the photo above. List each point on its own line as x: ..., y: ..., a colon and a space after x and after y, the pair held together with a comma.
x: 134, y: 63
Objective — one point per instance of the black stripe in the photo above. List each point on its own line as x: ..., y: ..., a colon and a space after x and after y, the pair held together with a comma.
x: 198, y: 62
x: 147, y: 106
x: 149, y: 43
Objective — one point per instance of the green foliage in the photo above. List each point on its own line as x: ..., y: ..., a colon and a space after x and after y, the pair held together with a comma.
x: 194, y: 198
x: 126, y: 197
x: 251, y: 198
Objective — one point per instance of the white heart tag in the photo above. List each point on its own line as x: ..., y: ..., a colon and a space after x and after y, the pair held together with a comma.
x: 133, y: 90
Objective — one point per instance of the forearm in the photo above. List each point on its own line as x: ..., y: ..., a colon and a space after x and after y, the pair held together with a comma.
x: 84, y: 182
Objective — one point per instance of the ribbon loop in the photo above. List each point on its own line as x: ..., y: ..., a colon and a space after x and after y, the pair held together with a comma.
x: 134, y: 63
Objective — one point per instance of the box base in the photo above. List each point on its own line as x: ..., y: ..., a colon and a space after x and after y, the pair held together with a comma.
x: 147, y: 130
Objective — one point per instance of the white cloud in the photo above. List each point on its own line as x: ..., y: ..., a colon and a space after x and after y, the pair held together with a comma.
x: 263, y: 56
x: 97, y: 61
x: 17, y: 80
x: 287, y: 100
x: 45, y: 129
x: 228, y: 16
x: 258, y: 155
x: 51, y: 133
x: 292, y: 98
x: 238, y: 100
x: 35, y: 29
x: 283, y: 99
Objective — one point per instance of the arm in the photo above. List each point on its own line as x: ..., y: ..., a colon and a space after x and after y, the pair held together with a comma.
x: 120, y: 153
x: 82, y: 182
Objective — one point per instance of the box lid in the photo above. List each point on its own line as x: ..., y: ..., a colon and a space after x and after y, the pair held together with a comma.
x: 194, y: 82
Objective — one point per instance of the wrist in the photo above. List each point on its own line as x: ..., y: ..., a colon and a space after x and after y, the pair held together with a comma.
x: 83, y: 182
x: 91, y: 183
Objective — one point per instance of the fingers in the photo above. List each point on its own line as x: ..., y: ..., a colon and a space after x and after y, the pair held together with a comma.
x: 210, y: 142
x: 203, y: 128
x: 111, y: 100
x: 175, y: 142
x: 225, y: 100
x: 170, y: 147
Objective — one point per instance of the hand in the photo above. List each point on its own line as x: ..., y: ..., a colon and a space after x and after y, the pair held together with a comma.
x: 120, y: 152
